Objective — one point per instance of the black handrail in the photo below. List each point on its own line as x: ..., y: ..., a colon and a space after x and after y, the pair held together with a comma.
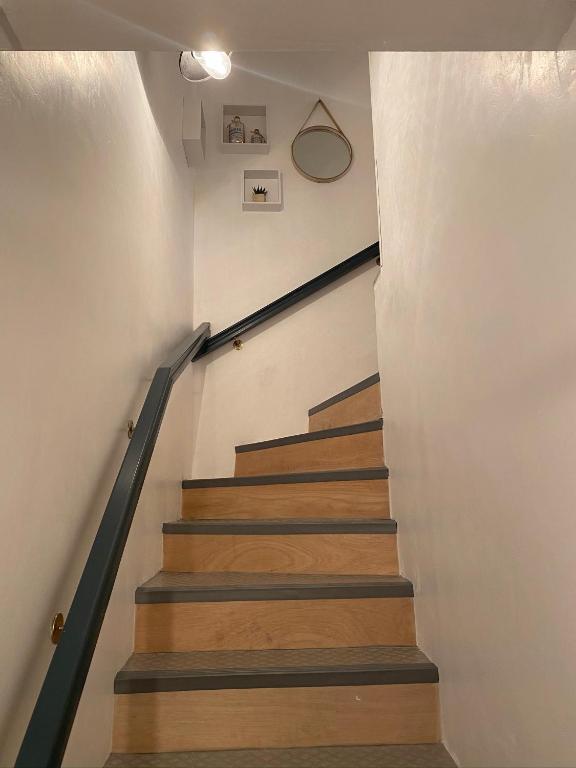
x: 49, y: 728
x: 371, y: 253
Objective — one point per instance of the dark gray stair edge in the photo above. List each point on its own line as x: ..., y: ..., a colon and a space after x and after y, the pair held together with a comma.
x: 432, y: 755
x: 364, y: 384
x: 307, y: 437
x: 279, y: 527
x: 210, y: 680
x: 331, y: 476
x: 366, y: 590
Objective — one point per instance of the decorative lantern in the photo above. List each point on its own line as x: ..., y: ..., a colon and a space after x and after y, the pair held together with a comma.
x: 257, y: 137
x: 236, y: 131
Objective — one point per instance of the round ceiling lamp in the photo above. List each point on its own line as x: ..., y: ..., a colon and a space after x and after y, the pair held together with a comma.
x: 197, y: 66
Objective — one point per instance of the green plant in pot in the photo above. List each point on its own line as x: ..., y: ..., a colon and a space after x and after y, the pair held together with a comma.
x: 259, y: 194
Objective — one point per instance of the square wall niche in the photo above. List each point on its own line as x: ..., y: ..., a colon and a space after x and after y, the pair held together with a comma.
x: 253, y: 117
x: 272, y: 180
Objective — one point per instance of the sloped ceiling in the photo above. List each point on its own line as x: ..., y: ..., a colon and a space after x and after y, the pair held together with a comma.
x: 276, y: 25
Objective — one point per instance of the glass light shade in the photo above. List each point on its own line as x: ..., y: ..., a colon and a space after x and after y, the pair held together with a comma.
x: 191, y: 69
x: 216, y: 63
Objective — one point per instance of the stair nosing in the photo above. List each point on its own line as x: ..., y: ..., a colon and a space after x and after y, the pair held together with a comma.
x: 417, y: 675
x: 346, y: 393
x: 385, y: 672
x: 432, y: 755
x: 329, y: 476
x: 393, y: 587
x: 373, y: 425
x: 281, y: 526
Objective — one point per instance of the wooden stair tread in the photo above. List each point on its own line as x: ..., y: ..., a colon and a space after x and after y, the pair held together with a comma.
x: 357, y: 404
x: 347, y: 447
x: 359, y: 493
x: 345, y: 394
x: 317, y: 546
x: 281, y: 526
x: 278, y: 717
x: 212, y: 670
x: 307, y: 437
x: 387, y: 756
x: 176, y: 587
x: 289, y: 478
x: 253, y: 649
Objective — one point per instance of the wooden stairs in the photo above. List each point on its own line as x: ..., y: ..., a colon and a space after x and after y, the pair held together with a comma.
x: 279, y: 633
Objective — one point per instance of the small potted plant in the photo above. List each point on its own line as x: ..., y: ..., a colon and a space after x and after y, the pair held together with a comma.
x: 259, y: 194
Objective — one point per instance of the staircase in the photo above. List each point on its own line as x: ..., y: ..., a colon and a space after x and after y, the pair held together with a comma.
x: 279, y: 633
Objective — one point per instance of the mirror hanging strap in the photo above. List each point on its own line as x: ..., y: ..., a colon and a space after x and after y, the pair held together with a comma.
x: 330, y: 115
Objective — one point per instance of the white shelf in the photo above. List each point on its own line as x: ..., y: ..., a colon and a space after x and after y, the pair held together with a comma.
x: 272, y: 180
x: 193, y: 131
x: 253, y: 116
x: 244, y: 149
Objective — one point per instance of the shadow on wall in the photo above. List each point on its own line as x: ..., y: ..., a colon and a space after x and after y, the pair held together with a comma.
x: 288, y: 313
x: 308, y: 76
x: 164, y: 88
x: 8, y: 38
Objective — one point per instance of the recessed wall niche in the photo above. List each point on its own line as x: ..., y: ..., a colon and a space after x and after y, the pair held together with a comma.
x: 254, y: 117
x: 271, y: 180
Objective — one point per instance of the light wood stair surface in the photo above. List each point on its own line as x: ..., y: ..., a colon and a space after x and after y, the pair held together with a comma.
x: 282, y: 546
x: 350, y: 447
x: 228, y: 611
x: 359, y: 493
x: 279, y: 633
x: 264, y: 718
x: 393, y: 688
x: 354, y: 405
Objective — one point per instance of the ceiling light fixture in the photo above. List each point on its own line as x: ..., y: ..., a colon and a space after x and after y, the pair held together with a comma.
x: 196, y: 66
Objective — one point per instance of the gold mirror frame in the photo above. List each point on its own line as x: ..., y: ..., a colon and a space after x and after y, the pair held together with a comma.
x: 323, y: 129
x: 336, y: 130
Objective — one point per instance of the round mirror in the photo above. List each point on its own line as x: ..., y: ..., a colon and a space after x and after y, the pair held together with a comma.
x: 321, y: 153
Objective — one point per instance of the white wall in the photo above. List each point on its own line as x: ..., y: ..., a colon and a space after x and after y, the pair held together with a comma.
x: 477, y: 336
x: 96, y: 286
x: 244, y: 260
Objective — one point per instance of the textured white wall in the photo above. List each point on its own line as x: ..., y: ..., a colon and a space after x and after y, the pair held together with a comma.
x: 477, y: 335
x: 96, y: 286
x: 244, y: 260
